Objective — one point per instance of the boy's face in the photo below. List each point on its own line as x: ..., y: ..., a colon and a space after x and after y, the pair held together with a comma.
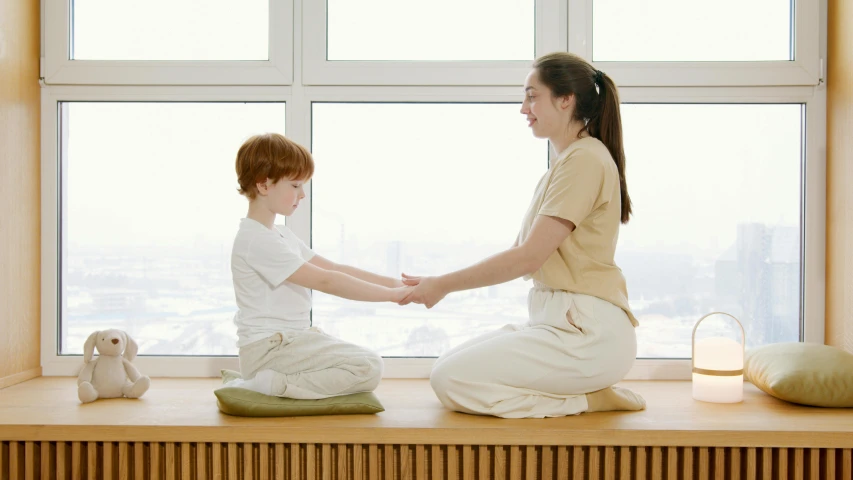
x: 283, y: 196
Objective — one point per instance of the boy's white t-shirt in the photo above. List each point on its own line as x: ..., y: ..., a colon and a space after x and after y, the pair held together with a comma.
x: 261, y: 261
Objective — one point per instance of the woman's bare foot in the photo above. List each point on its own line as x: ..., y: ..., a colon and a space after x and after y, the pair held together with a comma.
x: 614, y: 398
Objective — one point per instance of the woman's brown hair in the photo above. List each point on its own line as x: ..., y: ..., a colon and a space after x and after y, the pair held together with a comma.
x: 596, y: 105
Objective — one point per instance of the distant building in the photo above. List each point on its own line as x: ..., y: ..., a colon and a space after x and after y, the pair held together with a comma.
x: 757, y: 279
x: 118, y: 300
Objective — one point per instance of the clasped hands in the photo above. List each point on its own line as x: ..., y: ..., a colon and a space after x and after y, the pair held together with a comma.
x: 426, y: 291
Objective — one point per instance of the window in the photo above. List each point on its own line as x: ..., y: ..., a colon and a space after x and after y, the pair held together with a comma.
x: 383, y: 42
x: 716, y: 194
x: 423, y: 164
x: 181, y: 42
x: 149, y: 217
x: 168, y: 30
x: 424, y: 30
x: 673, y: 43
x: 672, y: 30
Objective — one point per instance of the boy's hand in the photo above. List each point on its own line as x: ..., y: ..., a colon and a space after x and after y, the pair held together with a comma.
x: 410, y: 280
x: 398, y: 294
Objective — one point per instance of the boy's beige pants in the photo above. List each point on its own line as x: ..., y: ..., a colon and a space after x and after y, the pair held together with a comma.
x: 309, y: 364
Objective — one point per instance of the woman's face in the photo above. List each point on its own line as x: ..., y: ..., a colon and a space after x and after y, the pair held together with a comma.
x: 548, y: 117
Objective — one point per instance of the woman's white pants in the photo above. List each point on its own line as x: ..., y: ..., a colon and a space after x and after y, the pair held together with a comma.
x: 573, y: 344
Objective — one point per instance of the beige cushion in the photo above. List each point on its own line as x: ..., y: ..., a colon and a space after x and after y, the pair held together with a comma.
x: 804, y: 373
x: 246, y: 403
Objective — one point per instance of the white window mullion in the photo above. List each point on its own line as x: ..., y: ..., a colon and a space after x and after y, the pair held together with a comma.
x: 50, y: 214
x: 551, y: 26
x: 299, y: 121
x: 814, y: 220
x: 299, y: 130
x: 580, y: 28
x: 806, y: 37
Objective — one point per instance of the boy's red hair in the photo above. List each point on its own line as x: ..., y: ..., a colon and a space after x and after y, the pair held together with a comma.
x: 271, y: 155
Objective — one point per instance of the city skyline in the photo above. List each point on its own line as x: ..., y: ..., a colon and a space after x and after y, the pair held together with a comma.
x: 150, y: 298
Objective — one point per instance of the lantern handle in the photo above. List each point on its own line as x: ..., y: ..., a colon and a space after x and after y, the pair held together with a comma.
x: 725, y: 373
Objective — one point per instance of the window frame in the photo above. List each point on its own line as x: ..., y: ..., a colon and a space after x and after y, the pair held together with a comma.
x: 550, y: 35
x: 805, y: 69
x: 638, y: 83
x: 59, y: 69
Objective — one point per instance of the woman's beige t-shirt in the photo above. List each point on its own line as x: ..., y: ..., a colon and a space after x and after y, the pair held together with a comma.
x: 582, y: 186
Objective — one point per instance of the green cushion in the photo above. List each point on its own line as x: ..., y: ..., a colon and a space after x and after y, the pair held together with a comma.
x: 246, y: 403
x: 804, y: 373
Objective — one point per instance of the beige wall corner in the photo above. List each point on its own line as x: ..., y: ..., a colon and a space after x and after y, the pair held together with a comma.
x: 20, y: 197
x: 839, y: 181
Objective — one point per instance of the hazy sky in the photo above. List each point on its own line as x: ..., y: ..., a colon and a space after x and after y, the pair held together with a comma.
x: 689, y: 30
x: 430, y: 30
x: 163, y: 174
x: 170, y: 30
x: 159, y: 173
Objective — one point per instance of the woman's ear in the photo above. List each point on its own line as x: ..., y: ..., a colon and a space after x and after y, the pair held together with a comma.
x: 567, y: 102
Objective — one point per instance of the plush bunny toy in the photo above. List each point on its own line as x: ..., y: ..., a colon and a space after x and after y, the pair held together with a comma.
x: 110, y: 375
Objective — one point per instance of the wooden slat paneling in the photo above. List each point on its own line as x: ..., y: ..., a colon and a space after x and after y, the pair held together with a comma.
x: 184, y: 461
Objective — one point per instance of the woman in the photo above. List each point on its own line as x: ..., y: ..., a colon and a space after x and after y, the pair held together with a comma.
x: 580, y: 339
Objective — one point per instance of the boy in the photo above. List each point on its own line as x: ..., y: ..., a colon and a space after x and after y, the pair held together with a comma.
x: 274, y: 272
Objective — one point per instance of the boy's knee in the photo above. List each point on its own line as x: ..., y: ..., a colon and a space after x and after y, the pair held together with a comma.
x: 374, y: 367
x: 375, y: 363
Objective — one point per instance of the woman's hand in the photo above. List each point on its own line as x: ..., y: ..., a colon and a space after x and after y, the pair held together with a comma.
x: 428, y: 291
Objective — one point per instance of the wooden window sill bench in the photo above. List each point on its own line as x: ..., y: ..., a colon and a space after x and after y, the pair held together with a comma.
x: 176, y: 431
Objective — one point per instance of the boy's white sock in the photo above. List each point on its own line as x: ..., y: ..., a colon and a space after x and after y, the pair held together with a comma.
x: 261, y: 382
